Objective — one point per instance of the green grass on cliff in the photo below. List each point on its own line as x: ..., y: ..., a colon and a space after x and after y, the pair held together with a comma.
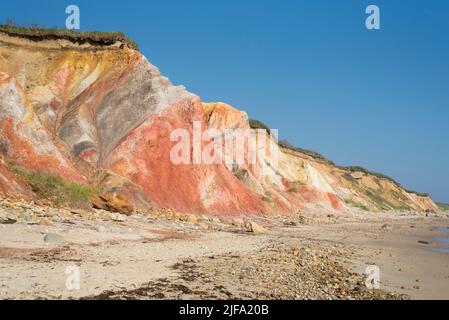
x: 443, y: 206
x: 256, y: 124
x: 93, y: 37
x: 54, y: 189
x: 356, y: 204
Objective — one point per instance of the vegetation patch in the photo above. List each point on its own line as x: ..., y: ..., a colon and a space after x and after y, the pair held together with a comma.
x: 54, y: 189
x: 385, y: 204
x: 443, y: 206
x: 38, y: 33
x: 356, y: 204
x: 256, y: 124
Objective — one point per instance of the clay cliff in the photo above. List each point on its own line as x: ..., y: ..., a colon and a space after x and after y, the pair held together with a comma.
x: 102, y: 115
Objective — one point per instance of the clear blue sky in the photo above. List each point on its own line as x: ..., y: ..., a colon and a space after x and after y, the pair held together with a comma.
x: 379, y: 99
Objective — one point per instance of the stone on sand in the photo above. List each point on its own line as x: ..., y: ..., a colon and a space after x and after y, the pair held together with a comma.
x: 257, y: 229
x: 54, y: 238
x: 192, y: 219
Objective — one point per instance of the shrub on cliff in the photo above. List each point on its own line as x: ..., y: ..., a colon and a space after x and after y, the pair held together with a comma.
x: 54, y: 189
x: 443, y: 206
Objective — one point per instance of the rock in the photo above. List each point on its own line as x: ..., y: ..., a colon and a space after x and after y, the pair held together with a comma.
x: 177, y: 216
x: 101, y: 229
x: 54, y: 238
x: 7, y: 220
x: 44, y: 222
x: 115, y: 216
x: 431, y: 213
x: 217, y: 220
x: 113, y: 203
x: 257, y: 229
x: 302, y: 220
x: 192, y: 219
x: 79, y: 212
x: 204, y: 226
x: 387, y: 227
x: 238, y: 222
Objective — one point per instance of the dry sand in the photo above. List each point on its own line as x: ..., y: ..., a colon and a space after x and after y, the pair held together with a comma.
x: 323, y: 257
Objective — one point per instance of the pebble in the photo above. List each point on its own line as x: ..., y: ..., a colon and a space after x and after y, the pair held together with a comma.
x: 282, y: 272
x: 54, y: 238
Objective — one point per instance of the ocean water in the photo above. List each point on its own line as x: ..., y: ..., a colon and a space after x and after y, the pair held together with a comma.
x: 442, y: 240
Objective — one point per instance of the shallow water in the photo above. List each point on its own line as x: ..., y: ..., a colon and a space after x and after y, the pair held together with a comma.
x: 442, y: 240
x: 441, y: 250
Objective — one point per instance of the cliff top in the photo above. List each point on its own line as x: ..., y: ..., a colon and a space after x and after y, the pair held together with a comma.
x: 79, y: 37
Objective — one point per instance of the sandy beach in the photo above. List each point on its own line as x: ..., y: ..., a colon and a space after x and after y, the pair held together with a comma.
x: 167, y: 256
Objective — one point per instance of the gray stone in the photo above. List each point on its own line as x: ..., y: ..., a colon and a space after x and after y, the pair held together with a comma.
x: 114, y: 216
x: 9, y: 219
x: 54, y: 238
x: 101, y: 229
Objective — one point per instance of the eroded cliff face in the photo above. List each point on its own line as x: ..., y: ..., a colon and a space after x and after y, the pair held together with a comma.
x: 103, y: 116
